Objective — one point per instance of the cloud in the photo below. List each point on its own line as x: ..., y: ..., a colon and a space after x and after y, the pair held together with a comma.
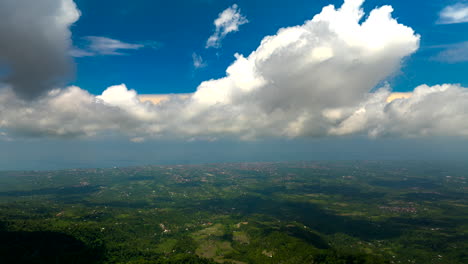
x: 227, y: 22
x: 73, y: 112
x: 314, y: 79
x: 159, y: 98
x: 399, y: 95
x: 34, y: 44
x: 430, y: 111
x: 198, y: 61
x: 107, y: 46
x: 453, y: 14
x: 137, y: 140
x: 98, y: 46
x: 151, y: 44
x: 453, y: 53
x: 79, y: 53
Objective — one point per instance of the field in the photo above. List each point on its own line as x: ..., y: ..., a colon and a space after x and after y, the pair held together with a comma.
x: 303, y: 212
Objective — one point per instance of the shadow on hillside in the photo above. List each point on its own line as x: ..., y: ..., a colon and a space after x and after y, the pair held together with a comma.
x: 308, y: 214
x: 45, y: 247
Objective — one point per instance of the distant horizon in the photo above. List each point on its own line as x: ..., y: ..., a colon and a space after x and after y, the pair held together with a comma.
x: 397, y: 161
x: 108, y: 154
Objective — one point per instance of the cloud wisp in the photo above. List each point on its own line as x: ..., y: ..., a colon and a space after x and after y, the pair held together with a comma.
x: 227, y: 22
x: 453, y: 53
x: 311, y: 80
x: 198, y: 61
x: 454, y: 14
x: 104, y: 46
x: 34, y: 44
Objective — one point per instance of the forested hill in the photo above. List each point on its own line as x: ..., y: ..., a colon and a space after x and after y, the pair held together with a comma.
x: 307, y: 212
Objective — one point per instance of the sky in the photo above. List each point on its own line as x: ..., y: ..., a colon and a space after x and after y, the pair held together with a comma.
x: 116, y: 83
x: 181, y: 28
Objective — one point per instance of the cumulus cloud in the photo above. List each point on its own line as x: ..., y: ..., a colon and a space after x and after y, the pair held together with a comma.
x: 73, y: 112
x: 453, y: 14
x: 104, y: 46
x: 313, y: 79
x: 227, y: 22
x: 430, y: 111
x: 34, y: 43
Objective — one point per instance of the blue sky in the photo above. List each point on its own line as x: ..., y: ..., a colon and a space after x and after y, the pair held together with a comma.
x: 181, y: 28
x: 86, y: 83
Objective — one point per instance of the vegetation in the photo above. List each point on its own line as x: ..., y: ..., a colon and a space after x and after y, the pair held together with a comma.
x: 308, y: 212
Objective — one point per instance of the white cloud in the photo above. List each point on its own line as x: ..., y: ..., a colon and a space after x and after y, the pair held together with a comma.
x: 453, y: 14
x: 227, y: 22
x: 453, y: 53
x: 198, y: 61
x: 313, y: 79
x: 304, y: 81
x: 430, y: 111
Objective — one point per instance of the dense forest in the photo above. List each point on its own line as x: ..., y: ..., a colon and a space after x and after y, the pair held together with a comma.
x: 303, y: 212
